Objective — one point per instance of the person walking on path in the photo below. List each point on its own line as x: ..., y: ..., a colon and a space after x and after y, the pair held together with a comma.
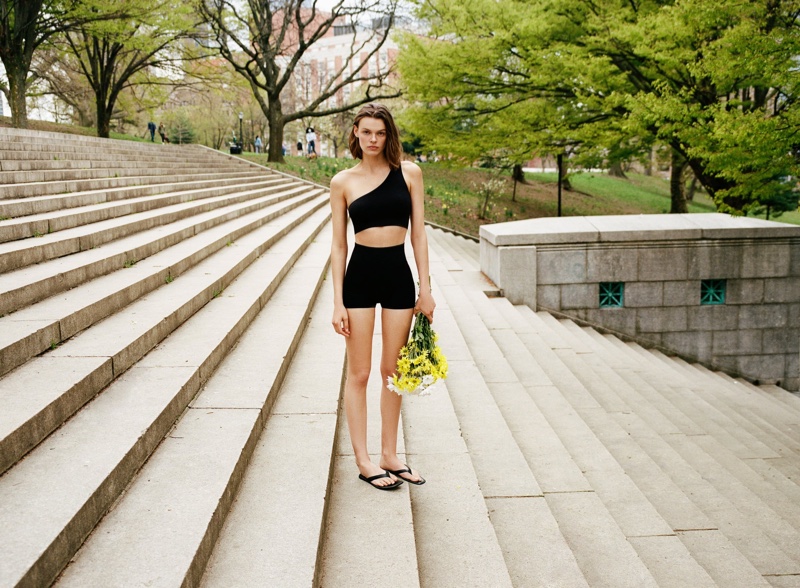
x: 380, y: 194
x: 162, y: 131
x: 151, y: 128
x: 311, y: 141
x: 258, y: 144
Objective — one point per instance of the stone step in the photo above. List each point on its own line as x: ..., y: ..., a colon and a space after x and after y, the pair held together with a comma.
x: 31, y: 284
x: 692, y: 411
x: 18, y: 254
x: 10, y: 179
x: 762, y: 416
x: 51, y: 501
x: 446, y: 258
x: 31, y: 189
x: 499, y: 447
x: 785, y: 405
x: 752, y: 412
x: 52, y: 222
x: 745, y: 533
x: 190, y: 481
x: 54, y: 138
x: 81, y: 149
x: 676, y: 506
x: 36, y: 140
x: 618, y: 508
x: 21, y: 207
x: 26, y: 161
x: 36, y: 407
x: 469, y: 250
x: 278, y: 541
x: 617, y: 564
x: 363, y: 525
x: 710, y: 433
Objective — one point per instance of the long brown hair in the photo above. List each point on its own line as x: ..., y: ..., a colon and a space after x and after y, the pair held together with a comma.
x: 392, y: 150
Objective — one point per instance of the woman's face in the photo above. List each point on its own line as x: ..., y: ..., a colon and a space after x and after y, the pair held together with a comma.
x: 371, y: 133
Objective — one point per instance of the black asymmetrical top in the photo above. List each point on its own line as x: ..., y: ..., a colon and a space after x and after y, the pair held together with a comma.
x: 387, y: 205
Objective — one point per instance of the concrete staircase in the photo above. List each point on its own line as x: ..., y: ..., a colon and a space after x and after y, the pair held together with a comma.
x: 170, y: 409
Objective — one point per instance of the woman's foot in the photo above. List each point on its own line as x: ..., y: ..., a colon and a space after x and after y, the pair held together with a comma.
x: 369, y: 470
x: 402, y: 471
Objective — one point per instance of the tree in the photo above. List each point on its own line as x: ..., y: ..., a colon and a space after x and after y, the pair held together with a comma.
x: 112, y: 51
x: 24, y: 26
x: 268, y: 41
x: 607, y: 80
x: 64, y: 80
x: 180, y: 128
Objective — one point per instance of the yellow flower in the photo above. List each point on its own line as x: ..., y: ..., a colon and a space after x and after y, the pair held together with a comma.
x: 421, y: 362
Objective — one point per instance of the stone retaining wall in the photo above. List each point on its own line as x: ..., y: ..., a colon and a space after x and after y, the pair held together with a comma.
x: 558, y: 264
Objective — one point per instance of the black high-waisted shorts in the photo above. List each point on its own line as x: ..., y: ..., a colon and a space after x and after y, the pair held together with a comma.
x: 378, y: 275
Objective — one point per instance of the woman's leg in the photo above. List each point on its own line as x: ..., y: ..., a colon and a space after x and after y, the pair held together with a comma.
x: 359, y: 359
x: 395, y: 327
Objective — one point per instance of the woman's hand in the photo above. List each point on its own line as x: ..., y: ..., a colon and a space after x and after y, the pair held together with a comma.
x: 341, y: 321
x: 425, y: 305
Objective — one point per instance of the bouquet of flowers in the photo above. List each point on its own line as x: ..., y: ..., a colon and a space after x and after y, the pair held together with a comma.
x: 421, y: 363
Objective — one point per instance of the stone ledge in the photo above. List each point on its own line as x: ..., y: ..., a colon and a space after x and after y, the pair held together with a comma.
x: 623, y: 228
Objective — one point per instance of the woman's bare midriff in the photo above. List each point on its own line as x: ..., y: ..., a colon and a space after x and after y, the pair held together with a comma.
x: 381, y: 236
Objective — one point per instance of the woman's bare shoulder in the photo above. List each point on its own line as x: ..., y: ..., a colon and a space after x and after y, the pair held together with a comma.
x: 342, y: 179
x: 411, y: 169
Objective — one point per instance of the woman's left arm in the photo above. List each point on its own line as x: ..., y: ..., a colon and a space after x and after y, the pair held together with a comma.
x: 419, y: 240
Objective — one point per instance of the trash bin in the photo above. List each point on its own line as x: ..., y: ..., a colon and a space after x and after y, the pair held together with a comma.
x: 236, y: 149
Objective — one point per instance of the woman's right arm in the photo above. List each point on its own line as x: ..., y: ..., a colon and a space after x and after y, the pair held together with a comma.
x: 340, y: 321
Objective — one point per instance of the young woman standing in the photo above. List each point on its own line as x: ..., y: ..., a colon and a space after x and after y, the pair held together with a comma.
x: 381, y: 195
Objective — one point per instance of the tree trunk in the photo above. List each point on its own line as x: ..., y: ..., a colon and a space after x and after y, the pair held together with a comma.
x: 676, y: 184
x: 615, y: 171
x: 692, y: 189
x: 519, y: 177
x: 103, y: 120
x: 275, y: 120
x: 565, y: 183
x: 16, y: 96
x: 648, y: 169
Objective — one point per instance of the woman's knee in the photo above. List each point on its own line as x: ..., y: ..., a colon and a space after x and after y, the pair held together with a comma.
x: 388, y: 370
x: 358, y: 376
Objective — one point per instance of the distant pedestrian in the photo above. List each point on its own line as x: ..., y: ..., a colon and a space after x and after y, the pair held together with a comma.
x: 162, y: 130
x: 299, y: 147
x: 259, y: 144
x: 311, y: 141
x: 151, y: 128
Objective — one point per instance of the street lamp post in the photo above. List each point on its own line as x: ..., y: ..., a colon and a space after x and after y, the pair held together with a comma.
x: 241, y: 143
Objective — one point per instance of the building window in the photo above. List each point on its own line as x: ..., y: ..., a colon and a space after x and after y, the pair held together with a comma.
x: 339, y: 30
x: 712, y: 291
x: 611, y: 294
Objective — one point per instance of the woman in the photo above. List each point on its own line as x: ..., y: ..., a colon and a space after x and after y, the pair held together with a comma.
x: 162, y: 131
x: 381, y: 194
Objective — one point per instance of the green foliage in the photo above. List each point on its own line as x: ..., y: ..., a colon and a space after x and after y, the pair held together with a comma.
x: 180, y: 128
x: 126, y: 45
x: 604, y: 81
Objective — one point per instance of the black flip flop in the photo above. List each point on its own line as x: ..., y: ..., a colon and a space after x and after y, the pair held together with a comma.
x: 407, y: 470
x: 391, y: 486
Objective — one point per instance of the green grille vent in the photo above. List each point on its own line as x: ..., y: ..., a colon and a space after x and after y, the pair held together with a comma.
x: 611, y: 294
x: 712, y: 292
